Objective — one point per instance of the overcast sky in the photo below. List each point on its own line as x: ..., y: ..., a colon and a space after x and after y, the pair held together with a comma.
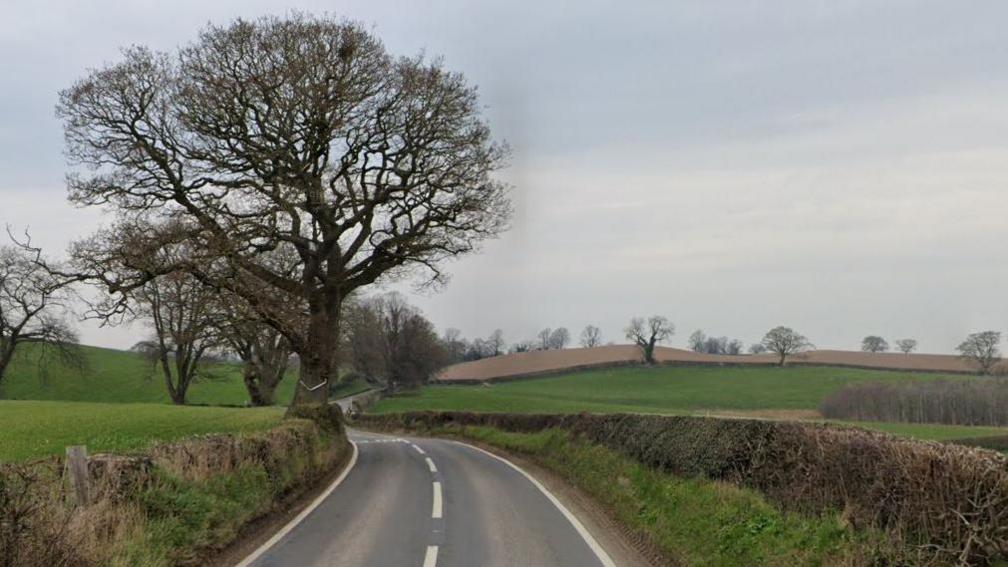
x: 840, y: 167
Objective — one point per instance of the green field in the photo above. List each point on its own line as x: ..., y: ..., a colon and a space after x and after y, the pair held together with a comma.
x: 36, y: 429
x: 120, y: 376
x: 673, y: 390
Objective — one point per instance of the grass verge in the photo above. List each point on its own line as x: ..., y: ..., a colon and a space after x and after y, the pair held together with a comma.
x: 179, y: 503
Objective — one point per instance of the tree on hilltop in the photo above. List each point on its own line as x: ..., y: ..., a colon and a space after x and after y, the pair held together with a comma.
x: 785, y: 342
x: 647, y: 334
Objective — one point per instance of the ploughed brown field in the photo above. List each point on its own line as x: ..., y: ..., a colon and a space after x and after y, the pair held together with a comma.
x: 556, y: 361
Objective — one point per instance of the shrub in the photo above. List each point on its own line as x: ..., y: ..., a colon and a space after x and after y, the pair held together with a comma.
x: 947, y: 503
x: 977, y: 401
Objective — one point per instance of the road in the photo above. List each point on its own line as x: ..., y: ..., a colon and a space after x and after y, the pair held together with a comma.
x: 432, y: 503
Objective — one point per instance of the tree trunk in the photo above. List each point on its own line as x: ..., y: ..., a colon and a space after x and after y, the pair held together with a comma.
x: 261, y: 385
x: 6, y: 355
x: 648, y: 353
x: 320, y: 356
x: 782, y: 357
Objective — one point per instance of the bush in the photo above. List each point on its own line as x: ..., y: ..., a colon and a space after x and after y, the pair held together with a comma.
x: 947, y: 503
x: 977, y: 401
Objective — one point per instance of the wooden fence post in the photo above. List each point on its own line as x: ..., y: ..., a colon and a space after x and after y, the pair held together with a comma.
x: 77, y: 466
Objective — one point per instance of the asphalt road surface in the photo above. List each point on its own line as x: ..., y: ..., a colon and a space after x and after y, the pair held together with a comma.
x: 431, y: 502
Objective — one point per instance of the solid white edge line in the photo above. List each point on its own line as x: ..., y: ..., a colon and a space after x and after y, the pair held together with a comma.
x: 304, y: 513
x: 438, y: 509
x: 430, y: 559
x: 430, y: 465
x: 578, y: 526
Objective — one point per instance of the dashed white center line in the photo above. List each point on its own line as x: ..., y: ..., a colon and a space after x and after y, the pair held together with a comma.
x: 430, y: 465
x: 437, y: 510
x: 430, y: 560
x: 417, y: 447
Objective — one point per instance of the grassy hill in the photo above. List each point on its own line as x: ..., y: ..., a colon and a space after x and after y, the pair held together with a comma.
x: 120, y: 377
x: 790, y: 392
x: 36, y: 429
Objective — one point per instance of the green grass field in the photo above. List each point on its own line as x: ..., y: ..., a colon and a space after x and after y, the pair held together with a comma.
x: 119, y: 376
x: 674, y: 390
x: 39, y: 428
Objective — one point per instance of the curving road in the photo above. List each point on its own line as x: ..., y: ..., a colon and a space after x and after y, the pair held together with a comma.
x: 432, y: 502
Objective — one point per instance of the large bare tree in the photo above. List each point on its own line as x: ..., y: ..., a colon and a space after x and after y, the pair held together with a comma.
x: 647, y: 334
x: 31, y: 301
x: 299, y: 132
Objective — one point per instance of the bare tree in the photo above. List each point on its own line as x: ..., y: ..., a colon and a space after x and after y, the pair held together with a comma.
x: 298, y: 132
x: 184, y: 319
x: 31, y: 301
x: 906, y: 346
x: 523, y: 346
x: 559, y: 338
x: 647, y: 335
x: 591, y: 336
x: 696, y: 341
x: 496, y: 342
x: 455, y: 345
x: 784, y: 342
x: 733, y: 347
x: 874, y: 343
x: 543, y: 338
x: 265, y: 353
x: 393, y: 343
x: 757, y: 348
x: 981, y: 349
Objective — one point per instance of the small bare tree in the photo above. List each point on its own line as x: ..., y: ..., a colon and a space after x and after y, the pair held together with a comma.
x: 647, y: 334
x: 874, y: 343
x: 591, y: 336
x: 696, y: 341
x: 733, y: 347
x: 31, y: 301
x: 757, y: 348
x: 784, y: 342
x: 185, y: 322
x: 265, y: 353
x: 496, y: 343
x: 559, y: 338
x: 906, y: 346
x: 543, y: 338
x: 981, y: 349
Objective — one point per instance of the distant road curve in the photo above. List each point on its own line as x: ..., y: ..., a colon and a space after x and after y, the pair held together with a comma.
x: 432, y: 503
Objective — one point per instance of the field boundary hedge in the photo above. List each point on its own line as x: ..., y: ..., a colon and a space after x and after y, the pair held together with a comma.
x: 945, y: 502
x: 177, y: 503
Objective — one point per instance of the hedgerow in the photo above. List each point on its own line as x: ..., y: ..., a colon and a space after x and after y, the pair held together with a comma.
x: 945, y: 503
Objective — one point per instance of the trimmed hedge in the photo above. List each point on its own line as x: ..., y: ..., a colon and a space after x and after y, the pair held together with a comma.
x: 947, y: 503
